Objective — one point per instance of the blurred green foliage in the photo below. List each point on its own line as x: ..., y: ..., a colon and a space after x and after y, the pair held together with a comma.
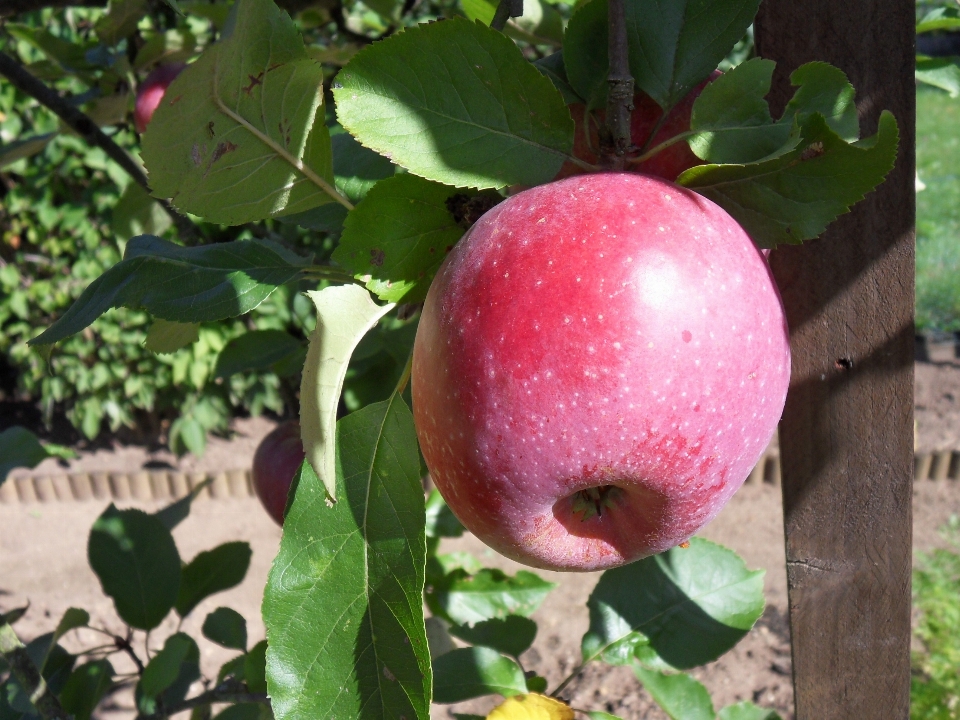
x: 935, y: 686
x: 938, y: 211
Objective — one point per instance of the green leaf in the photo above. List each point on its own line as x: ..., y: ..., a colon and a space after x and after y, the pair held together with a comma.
x: 176, y: 512
x: 165, y: 336
x: 164, y: 667
x: 85, y: 687
x: 343, y: 604
x: 464, y: 108
x: 239, y: 135
x: 356, y: 169
x: 254, y: 668
x: 345, y: 313
x: 467, y: 673
x: 11, y: 616
x: 397, y: 237
x: 195, y: 284
x: 137, y: 562
x: 942, y: 18
x: 585, y: 52
x: 173, y: 45
x: 467, y: 599
x: 19, y: 149
x: 441, y: 522
x: 553, y: 68
x: 19, y: 448
x: 746, y: 710
x: 256, y: 350
x: 136, y: 213
x: 680, y: 696
x: 120, y: 21
x: 693, y: 604
x: 177, y: 667
x: 599, y: 715
x: 793, y: 197
x: 226, y: 627
x: 72, y: 619
x: 674, y: 46
x: 940, y: 72
x: 187, y: 434
x: 733, y: 119
x: 512, y: 635
x: 210, y: 572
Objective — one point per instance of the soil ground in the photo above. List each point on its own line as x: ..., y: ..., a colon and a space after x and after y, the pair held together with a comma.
x: 43, y: 562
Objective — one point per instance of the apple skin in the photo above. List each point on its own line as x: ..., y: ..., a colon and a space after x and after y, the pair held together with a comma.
x: 275, y: 463
x: 151, y: 92
x: 610, y: 330
x: 668, y: 163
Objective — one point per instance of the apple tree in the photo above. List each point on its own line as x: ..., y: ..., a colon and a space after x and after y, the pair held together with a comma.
x: 391, y: 152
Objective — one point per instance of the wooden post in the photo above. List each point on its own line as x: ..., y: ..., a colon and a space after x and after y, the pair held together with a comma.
x: 846, y: 437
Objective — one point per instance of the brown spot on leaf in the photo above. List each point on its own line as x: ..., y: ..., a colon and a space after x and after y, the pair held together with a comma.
x: 377, y: 257
x: 254, y: 81
x: 210, y: 129
x: 813, y: 150
x: 223, y: 147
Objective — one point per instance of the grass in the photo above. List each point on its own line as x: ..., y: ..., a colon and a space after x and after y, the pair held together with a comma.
x: 935, y: 685
x: 938, y: 211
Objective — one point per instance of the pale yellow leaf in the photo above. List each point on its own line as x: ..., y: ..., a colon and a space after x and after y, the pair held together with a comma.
x: 531, y: 707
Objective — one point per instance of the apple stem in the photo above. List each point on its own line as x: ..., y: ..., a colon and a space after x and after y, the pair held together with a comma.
x: 404, y: 376
x: 615, y: 136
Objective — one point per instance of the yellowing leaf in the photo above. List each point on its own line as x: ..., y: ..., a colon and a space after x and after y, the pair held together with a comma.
x: 345, y: 313
x: 531, y: 707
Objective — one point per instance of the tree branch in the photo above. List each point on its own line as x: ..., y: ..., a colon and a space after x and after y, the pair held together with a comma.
x: 230, y: 691
x: 88, y: 130
x: 615, y: 138
x: 28, y: 676
x: 506, y: 10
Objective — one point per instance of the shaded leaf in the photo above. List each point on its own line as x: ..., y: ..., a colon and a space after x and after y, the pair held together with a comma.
x: 465, y: 107
x: 226, y: 627
x: 178, y: 670
x: 343, y: 604
x: 397, y: 237
x: 733, y: 119
x: 553, y: 68
x: 72, y: 619
x: 693, y: 604
x: 137, y: 562
x: 256, y: 350
x: 165, y: 336
x: 680, y: 696
x: 176, y: 512
x: 254, y: 668
x: 941, y: 18
x: 195, y: 284
x: 793, y: 197
x: 467, y: 599
x: 239, y: 135
x: 441, y: 522
x: 136, y: 213
x: 585, y: 52
x: 85, y: 687
x: 940, y: 72
x: 472, y: 672
x: 356, y: 169
x: 212, y: 571
x: 120, y: 20
x: 27, y: 147
x: 19, y: 448
x: 512, y: 635
x: 345, y: 313
x: 746, y: 710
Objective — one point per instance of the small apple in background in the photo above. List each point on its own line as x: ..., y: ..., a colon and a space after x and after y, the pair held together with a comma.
x: 151, y: 92
x: 599, y: 364
x: 668, y: 163
x: 275, y: 463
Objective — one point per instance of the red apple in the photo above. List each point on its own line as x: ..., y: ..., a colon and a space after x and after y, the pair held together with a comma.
x: 151, y: 91
x: 668, y: 163
x: 275, y: 463
x: 599, y: 364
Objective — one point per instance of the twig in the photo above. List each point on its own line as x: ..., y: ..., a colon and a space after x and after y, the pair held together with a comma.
x: 88, y: 130
x: 227, y: 692
x: 28, y: 676
x: 506, y: 10
x: 615, y: 135
x: 124, y: 645
x: 9, y: 8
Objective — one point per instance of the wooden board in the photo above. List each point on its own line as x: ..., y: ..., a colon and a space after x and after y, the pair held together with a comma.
x: 846, y: 437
